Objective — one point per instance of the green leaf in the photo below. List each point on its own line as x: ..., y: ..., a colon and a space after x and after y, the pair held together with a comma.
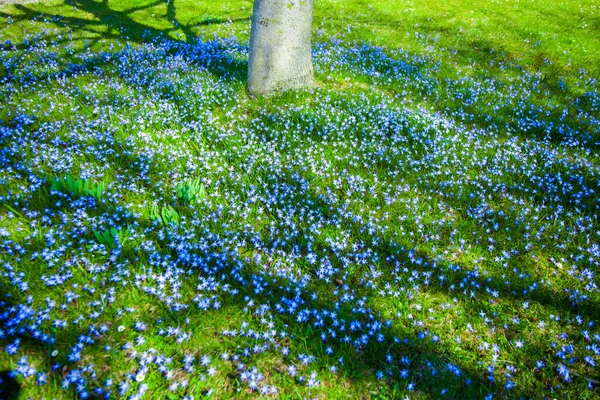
x: 78, y: 185
x: 154, y: 213
x: 107, y: 237
x: 190, y: 190
x: 77, y: 188
x: 99, y: 237
x: 70, y: 185
x: 55, y: 185
x: 169, y: 215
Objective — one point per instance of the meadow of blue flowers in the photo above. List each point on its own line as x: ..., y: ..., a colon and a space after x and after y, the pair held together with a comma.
x: 399, y: 231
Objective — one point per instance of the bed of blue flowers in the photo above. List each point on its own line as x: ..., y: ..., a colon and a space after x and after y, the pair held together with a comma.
x: 399, y: 231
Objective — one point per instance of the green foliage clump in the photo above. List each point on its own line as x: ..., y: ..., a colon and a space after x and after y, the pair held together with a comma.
x: 190, y: 190
x: 167, y: 215
x: 108, y: 238
x: 77, y: 188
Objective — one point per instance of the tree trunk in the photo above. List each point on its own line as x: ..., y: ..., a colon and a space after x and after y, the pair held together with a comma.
x: 280, y: 54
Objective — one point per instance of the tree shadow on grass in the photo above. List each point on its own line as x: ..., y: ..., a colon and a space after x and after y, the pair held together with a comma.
x: 430, y: 364
x: 359, y: 367
x: 9, y: 387
x: 211, y: 55
x: 109, y: 23
x: 462, y: 279
x: 423, y: 355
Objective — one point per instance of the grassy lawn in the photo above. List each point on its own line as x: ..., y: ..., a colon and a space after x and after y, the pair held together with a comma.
x: 423, y: 224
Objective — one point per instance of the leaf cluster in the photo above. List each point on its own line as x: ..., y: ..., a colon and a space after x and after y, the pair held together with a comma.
x: 108, y: 238
x: 77, y: 188
x: 190, y: 191
x: 166, y: 215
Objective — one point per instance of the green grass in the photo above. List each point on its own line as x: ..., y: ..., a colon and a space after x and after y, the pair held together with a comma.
x: 362, y: 167
x: 563, y: 32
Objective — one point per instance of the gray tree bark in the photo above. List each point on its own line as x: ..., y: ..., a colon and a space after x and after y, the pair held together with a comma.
x: 280, y: 50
